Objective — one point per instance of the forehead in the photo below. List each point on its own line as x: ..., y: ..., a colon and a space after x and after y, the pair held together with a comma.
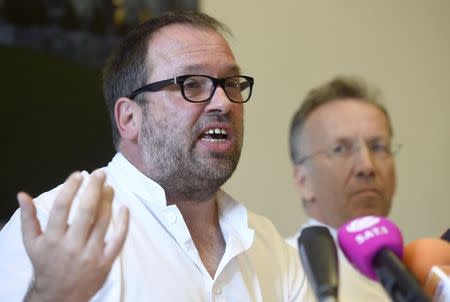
x: 184, y: 48
x: 348, y: 118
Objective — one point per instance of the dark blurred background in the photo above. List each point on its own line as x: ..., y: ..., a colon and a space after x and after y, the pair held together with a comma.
x: 53, y: 115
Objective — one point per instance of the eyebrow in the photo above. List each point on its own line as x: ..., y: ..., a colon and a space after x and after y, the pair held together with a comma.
x: 198, y: 68
x: 367, y: 139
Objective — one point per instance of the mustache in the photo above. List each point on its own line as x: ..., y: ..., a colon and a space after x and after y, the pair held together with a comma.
x: 218, y: 117
x: 213, y: 117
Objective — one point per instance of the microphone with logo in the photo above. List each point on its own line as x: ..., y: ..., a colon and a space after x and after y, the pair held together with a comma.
x: 374, y: 245
x: 319, y: 258
x: 429, y: 260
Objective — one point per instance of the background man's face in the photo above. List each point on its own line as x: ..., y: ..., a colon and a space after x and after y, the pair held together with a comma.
x: 341, y: 189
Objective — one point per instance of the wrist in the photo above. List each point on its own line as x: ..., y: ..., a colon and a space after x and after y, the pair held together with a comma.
x: 38, y: 292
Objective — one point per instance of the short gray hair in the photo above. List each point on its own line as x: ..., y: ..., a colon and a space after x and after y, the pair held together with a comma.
x: 339, y: 88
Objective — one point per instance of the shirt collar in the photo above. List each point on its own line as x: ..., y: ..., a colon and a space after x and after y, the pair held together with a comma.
x: 233, y: 216
x: 136, y: 182
x: 233, y: 219
x: 312, y: 222
x: 232, y: 213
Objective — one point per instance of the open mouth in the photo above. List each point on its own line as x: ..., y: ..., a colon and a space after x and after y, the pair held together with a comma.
x: 215, y: 135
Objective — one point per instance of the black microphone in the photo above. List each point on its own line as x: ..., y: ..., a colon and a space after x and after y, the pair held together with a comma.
x: 319, y: 258
x: 446, y: 236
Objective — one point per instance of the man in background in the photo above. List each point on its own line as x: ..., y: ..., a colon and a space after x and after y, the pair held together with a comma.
x: 342, y: 150
x: 154, y: 224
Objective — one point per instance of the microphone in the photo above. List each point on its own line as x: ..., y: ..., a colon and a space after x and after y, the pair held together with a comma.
x: 374, y: 245
x: 446, y: 235
x: 319, y: 258
x: 429, y: 261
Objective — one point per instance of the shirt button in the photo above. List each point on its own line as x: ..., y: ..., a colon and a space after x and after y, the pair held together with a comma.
x: 171, y: 218
x: 218, y: 291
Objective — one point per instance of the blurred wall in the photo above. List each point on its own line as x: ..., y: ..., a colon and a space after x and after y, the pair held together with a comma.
x: 54, y: 121
x: 401, y: 46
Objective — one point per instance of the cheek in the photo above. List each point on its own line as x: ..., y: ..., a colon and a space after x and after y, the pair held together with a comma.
x: 390, y: 179
x: 236, y: 110
x: 184, y: 117
x: 239, y: 108
x: 238, y: 117
x: 328, y: 181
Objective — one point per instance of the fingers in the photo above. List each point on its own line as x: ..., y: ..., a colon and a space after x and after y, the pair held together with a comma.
x: 74, y: 264
x: 103, y: 218
x: 88, y: 228
x: 90, y: 201
x: 31, y: 228
x: 57, y: 223
x: 115, y: 244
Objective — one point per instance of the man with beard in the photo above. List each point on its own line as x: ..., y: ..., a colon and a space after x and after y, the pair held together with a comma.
x: 342, y: 150
x: 154, y: 224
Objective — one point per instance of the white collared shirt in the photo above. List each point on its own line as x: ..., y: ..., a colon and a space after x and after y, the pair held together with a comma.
x: 159, y: 261
x: 353, y: 286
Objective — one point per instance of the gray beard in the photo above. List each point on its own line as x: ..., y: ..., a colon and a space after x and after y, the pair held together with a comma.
x: 171, y: 160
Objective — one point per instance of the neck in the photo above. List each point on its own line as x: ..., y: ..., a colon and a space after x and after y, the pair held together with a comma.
x: 198, y: 212
x: 202, y: 220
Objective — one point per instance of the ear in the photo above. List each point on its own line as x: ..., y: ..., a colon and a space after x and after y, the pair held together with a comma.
x: 302, y: 182
x: 128, y: 116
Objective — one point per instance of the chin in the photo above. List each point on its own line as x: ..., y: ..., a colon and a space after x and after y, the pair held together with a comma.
x: 369, y: 212
x: 370, y: 205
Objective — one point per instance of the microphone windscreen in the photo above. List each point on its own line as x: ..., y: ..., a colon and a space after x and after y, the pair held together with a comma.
x: 363, y: 238
x: 420, y: 255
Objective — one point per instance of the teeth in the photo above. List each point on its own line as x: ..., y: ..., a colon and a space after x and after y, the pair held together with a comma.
x: 216, y: 131
x: 214, y: 140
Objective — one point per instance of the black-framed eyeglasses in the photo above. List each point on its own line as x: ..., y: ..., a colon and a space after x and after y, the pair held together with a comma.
x: 200, y: 88
x: 346, y: 149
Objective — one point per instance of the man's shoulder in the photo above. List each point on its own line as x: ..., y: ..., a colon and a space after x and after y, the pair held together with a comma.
x: 292, y: 240
x: 260, y: 221
x: 264, y: 228
x: 45, y: 200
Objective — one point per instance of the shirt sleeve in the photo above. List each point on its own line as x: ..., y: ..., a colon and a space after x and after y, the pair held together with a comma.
x: 16, y: 270
x: 15, y: 266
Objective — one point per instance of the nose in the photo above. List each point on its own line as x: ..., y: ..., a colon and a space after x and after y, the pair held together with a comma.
x: 364, y: 162
x: 219, y: 101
